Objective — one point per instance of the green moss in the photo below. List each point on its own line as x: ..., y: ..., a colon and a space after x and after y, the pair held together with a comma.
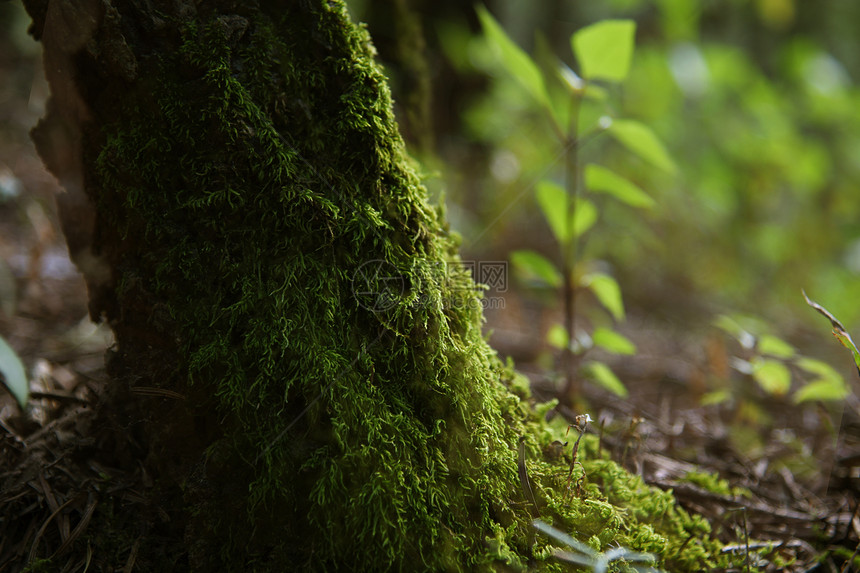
x: 244, y: 183
x: 39, y: 566
x: 714, y: 483
x: 850, y: 558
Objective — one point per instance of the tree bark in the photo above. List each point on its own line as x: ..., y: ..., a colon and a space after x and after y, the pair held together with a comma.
x: 299, y: 367
x: 264, y: 254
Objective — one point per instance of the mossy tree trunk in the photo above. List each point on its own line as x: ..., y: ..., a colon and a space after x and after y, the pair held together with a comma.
x: 298, y: 356
x: 275, y: 279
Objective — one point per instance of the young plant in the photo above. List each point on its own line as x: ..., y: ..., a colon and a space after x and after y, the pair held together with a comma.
x: 581, y: 424
x: 771, y: 361
x: 587, y: 556
x: 604, y: 52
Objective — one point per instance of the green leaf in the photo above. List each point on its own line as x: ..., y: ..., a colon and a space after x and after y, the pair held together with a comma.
x: 607, y: 291
x: 568, y: 77
x: 513, y: 58
x: 733, y: 328
x: 596, y: 93
x: 821, y: 390
x: 600, y: 179
x: 773, y: 376
x: 845, y: 338
x: 612, y: 341
x: 601, y: 375
x: 604, y: 50
x: 557, y: 336
x: 827, y: 383
x: 552, y: 199
x: 584, y: 216
x: 818, y: 368
x: 13, y: 372
x: 535, y: 266
x: 773, y: 346
x: 639, y: 139
x: 716, y: 397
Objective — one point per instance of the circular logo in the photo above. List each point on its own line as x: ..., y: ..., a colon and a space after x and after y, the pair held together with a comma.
x: 377, y: 285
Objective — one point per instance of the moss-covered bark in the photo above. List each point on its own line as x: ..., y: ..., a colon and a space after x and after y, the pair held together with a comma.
x: 320, y: 395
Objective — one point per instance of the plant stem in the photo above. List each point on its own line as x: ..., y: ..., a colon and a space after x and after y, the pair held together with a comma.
x: 570, y: 250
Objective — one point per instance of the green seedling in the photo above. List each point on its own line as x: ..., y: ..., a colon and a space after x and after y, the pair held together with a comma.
x: 604, y: 53
x: 774, y: 365
x: 580, y: 425
x: 586, y: 556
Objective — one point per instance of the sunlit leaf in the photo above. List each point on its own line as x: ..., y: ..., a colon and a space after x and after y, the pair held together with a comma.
x: 847, y: 342
x: 827, y: 383
x: 535, y: 266
x: 773, y: 346
x: 773, y: 376
x: 819, y: 368
x: 584, y: 216
x: 612, y: 341
x: 553, y: 199
x: 557, y: 336
x: 607, y: 291
x: 639, y: 139
x: 596, y: 93
x: 13, y: 373
x: 821, y: 390
x: 569, y: 78
x: 743, y: 366
x: 581, y: 342
x: 601, y: 179
x: 600, y: 374
x: 716, y: 397
x: 733, y: 328
x: 515, y: 60
x: 604, y: 50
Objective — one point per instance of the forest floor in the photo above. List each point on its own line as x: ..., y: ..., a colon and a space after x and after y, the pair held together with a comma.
x: 789, y: 476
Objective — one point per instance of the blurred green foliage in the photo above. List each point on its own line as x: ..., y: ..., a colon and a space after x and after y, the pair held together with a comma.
x: 603, y: 52
x: 776, y: 366
x: 758, y: 105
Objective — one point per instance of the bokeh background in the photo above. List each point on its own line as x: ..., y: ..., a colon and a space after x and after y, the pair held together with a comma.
x: 756, y: 101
